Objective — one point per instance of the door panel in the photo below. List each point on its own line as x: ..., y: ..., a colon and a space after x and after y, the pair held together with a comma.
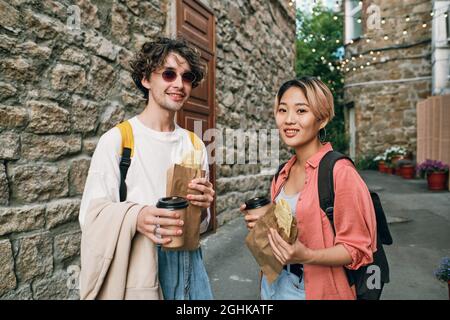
x: 196, y: 24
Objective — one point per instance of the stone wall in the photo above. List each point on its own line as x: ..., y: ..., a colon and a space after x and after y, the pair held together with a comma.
x: 255, y: 54
x: 386, y: 111
x: 62, y: 88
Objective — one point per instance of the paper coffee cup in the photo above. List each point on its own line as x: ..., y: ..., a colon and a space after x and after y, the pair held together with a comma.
x: 257, y: 206
x: 179, y: 205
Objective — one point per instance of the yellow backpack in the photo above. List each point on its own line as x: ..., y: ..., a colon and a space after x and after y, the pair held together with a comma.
x: 127, y: 153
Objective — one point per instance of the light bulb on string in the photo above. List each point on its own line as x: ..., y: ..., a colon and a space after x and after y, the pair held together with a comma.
x: 407, y: 18
x: 383, y: 21
x: 313, y: 50
x: 386, y: 37
x: 367, y: 40
x: 371, y: 52
x: 405, y: 32
x: 359, y: 20
x: 432, y: 13
x: 424, y: 25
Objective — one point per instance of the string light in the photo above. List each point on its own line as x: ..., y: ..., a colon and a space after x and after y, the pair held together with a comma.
x: 405, y: 32
x: 407, y: 19
x: 424, y: 25
x: 386, y: 37
x: 383, y: 21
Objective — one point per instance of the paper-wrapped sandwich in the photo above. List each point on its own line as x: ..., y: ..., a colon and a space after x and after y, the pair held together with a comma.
x: 278, y: 217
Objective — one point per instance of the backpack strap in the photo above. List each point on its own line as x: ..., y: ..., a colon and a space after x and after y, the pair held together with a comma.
x: 326, y: 194
x: 127, y: 152
x: 326, y: 183
x: 195, y: 141
x: 280, y: 167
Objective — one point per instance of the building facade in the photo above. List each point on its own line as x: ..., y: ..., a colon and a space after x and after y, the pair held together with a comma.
x: 388, y: 69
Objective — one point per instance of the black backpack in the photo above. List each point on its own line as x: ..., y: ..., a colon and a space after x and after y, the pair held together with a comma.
x: 363, y: 278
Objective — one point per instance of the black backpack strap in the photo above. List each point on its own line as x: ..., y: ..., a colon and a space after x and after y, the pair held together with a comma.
x: 326, y: 183
x: 280, y: 167
x: 125, y: 162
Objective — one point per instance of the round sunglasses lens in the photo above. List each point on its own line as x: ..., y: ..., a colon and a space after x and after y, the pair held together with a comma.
x: 188, y: 77
x: 169, y: 75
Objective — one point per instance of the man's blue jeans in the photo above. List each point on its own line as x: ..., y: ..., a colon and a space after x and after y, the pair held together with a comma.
x: 182, y: 275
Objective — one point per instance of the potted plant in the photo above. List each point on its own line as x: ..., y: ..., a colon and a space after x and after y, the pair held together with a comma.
x: 443, y: 273
x: 380, y: 159
x: 436, y: 173
x: 392, y: 155
x: 406, y: 168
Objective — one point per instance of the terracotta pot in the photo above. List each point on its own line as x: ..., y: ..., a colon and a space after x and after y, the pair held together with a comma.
x: 395, y: 159
x: 437, y: 180
x: 408, y: 171
x: 381, y: 166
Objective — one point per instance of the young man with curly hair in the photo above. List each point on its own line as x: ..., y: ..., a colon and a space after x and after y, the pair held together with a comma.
x: 165, y: 71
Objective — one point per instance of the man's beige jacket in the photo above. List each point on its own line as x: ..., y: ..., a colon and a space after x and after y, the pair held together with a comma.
x: 116, y: 261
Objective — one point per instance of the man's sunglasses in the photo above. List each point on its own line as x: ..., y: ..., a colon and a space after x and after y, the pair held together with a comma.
x: 170, y: 76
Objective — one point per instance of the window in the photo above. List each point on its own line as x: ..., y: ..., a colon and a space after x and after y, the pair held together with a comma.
x: 353, y: 20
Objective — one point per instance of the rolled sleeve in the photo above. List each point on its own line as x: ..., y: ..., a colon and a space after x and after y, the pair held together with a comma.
x: 354, y: 215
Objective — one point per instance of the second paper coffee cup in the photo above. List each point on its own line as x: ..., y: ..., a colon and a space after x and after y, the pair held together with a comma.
x: 179, y: 205
x: 258, y: 205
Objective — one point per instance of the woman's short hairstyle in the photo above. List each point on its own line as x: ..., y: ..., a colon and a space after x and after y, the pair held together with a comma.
x: 153, y: 56
x: 318, y: 95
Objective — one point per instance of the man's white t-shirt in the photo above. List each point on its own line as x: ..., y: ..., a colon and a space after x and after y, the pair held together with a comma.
x: 154, y: 153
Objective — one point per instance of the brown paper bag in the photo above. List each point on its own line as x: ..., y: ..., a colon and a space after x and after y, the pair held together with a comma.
x: 258, y: 243
x: 178, y: 179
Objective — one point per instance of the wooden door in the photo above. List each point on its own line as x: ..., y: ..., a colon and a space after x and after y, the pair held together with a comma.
x: 196, y: 23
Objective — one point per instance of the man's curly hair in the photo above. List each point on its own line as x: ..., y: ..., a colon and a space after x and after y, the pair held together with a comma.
x: 153, y: 55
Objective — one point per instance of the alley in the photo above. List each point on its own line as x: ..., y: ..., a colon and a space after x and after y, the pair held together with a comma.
x: 419, y: 222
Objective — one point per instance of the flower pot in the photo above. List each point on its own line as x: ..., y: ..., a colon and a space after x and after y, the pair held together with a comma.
x: 408, y: 171
x: 395, y: 159
x: 381, y: 166
x: 437, y: 180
